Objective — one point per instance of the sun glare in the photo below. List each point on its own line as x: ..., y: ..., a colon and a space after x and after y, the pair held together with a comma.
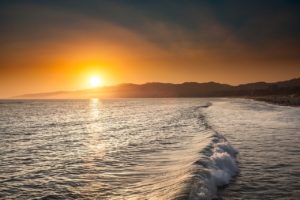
x: 95, y: 81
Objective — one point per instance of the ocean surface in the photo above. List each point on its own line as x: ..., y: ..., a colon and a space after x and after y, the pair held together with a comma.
x: 149, y: 149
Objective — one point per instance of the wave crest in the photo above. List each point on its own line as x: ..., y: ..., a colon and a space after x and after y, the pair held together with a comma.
x: 215, y: 169
x: 224, y: 165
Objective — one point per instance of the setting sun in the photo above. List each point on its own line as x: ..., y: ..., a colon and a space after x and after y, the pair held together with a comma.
x: 95, y: 81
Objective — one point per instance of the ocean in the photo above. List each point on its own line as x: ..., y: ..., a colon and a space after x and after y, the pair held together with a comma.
x: 173, y: 148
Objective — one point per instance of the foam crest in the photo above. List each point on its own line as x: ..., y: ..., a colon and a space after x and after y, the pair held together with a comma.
x: 216, y: 169
x: 224, y: 165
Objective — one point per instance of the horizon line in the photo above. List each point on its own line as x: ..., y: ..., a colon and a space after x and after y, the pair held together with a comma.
x: 140, y: 84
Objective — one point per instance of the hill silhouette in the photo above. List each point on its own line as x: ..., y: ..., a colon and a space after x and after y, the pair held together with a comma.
x: 186, y: 89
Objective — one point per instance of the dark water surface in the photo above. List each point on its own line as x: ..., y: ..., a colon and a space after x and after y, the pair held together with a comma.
x: 148, y: 149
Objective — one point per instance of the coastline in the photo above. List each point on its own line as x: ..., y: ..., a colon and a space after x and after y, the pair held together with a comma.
x: 280, y: 100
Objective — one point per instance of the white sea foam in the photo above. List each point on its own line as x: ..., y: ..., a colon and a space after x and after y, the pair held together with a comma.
x: 224, y: 165
x: 220, y: 167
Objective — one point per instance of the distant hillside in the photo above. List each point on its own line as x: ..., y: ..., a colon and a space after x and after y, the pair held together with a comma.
x: 187, y: 89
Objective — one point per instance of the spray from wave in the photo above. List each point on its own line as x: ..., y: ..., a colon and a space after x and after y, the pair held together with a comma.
x: 216, y: 167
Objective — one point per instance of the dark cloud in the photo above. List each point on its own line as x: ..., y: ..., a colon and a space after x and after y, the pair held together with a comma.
x: 250, y: 21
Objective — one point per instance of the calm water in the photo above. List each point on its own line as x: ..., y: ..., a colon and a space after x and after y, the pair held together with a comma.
x: 148, y: 149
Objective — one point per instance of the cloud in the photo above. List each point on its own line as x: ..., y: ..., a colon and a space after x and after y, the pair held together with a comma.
x: 189, y: 37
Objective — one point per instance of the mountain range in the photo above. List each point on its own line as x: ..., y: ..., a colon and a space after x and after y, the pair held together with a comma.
x: 186, y: 89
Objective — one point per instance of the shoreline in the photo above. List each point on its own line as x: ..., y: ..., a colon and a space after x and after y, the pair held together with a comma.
x: 293, y: 101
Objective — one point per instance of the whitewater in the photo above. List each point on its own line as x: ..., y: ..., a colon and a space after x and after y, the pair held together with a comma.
x: 177, y: 148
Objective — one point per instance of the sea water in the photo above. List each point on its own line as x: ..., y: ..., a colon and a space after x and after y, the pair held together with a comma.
x: 148, y: 149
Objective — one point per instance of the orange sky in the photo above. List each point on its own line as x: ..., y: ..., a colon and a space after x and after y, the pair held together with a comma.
x: 52, y: 56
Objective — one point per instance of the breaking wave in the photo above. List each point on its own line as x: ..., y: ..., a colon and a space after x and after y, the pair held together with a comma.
x: 215, y: 169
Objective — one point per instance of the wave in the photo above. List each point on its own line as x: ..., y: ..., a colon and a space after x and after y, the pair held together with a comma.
x: 216, y: 167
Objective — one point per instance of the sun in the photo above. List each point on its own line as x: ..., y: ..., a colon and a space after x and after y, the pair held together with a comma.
x: 95, y: 81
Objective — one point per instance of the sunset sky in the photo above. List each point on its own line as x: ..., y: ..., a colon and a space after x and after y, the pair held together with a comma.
x: 59, y: 45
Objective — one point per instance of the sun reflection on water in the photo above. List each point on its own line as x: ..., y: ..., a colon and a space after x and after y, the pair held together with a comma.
x: 95, y: 143
x: 94, y: 108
